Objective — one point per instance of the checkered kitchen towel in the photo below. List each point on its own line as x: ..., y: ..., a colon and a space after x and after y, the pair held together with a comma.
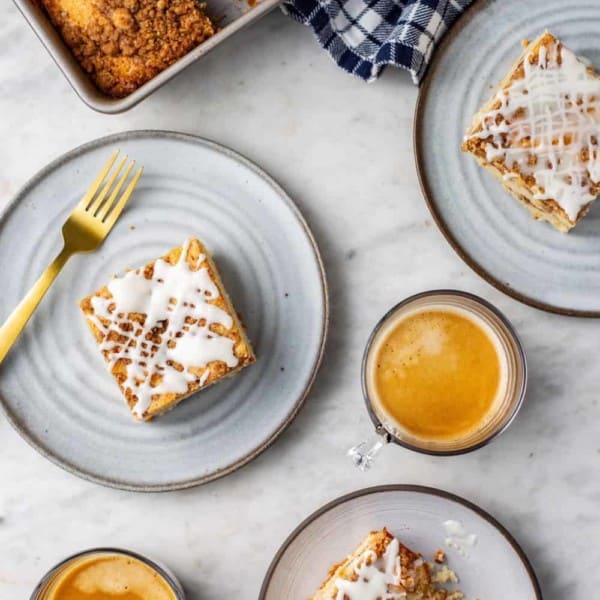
x: 363, y: 36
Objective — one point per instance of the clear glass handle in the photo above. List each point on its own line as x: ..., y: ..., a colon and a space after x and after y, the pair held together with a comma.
x: 364, y: 454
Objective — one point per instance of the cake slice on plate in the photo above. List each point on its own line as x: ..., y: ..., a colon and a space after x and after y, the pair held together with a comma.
x: 539, y: 133
x: 381, y: 568
x: 167, y: 329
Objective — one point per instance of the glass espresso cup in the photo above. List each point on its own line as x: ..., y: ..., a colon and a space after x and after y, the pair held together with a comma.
x: 49, y: 588
x: 503, y: 409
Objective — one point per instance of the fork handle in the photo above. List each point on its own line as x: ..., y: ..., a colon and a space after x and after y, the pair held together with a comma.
x: 12, y: 328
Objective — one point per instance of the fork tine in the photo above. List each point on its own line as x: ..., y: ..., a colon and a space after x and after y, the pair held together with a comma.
x: 116, y: 211
x: 107, y: 206
x: 98, y: 201
x: 97, y: 182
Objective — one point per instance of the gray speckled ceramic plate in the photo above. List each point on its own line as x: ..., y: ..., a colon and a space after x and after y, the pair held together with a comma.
x: 489, y: 229
x: 494, y: 569
x: 54, y: 386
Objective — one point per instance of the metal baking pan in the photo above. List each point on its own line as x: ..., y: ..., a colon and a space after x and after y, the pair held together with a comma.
x: 229, y: 15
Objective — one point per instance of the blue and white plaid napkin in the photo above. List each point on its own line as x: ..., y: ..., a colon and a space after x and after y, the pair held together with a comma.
x: 363, y: 36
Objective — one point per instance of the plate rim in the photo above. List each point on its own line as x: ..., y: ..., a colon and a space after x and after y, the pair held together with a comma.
x: 401, y: 487
x: 430, y: 201
x: 295, y: 211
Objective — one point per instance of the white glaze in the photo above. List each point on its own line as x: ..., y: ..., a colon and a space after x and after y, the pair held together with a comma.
x: 458, y: 538
x: 179, y: 298
x: 555, y: 105
x: 376, y: 577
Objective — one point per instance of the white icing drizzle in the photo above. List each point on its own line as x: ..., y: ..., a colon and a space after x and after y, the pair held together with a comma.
x: 555, y: 109
x: 176, y: 299
x: 458, y: 538
x: 377, y: 578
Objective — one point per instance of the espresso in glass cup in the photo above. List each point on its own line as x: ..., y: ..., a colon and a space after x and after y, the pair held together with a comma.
x: 443, y: 373
x: 108, y: 573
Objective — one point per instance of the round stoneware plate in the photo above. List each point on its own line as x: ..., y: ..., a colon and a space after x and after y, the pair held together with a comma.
x: 495, y: 568
x: 54, y: 384
x: 488, y: 228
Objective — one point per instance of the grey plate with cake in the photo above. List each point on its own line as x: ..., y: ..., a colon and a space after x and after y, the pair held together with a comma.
x: 486, y: 559
x: 490, y: 230
x: 54, y: 385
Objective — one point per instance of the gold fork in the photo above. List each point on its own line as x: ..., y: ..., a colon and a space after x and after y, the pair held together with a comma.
x: 84, y: 231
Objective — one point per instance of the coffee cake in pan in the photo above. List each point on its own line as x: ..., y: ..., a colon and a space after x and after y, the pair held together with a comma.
x: 122, y: 44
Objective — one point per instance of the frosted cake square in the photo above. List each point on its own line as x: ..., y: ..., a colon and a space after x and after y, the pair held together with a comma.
x: 381, y: 567
x: 539, y: 133
x: 167, y: 329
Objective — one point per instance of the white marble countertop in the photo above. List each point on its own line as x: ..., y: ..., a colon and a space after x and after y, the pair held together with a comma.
x: 343, y: 150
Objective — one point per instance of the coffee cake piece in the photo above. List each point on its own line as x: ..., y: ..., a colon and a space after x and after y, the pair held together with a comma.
x: 539, y: 133
x: 381, y: 568
x: 167, y: 330
x: 122, y: 44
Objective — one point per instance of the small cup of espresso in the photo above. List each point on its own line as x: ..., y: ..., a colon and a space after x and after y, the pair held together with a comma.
x: 443, y: 373
x: 107, y: 574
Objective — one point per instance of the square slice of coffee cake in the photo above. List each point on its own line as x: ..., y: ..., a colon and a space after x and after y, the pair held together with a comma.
x: 167, y: 329
x: 539, y: 133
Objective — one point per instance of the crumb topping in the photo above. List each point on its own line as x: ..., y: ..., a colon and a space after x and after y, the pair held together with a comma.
x: 124, y: 43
